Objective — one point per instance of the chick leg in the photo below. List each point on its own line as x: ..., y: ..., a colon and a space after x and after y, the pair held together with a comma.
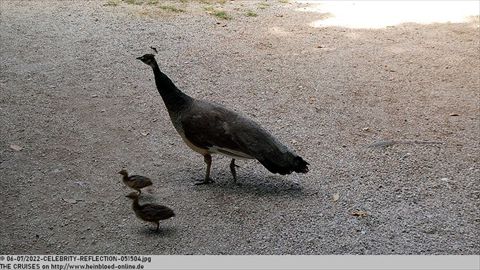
x: 232, y: 169
x: 208, y: 160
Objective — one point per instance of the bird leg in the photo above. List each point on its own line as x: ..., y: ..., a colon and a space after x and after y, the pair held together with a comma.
x: 208, y: 159
x: 232, y: 169
x: 158, y: 225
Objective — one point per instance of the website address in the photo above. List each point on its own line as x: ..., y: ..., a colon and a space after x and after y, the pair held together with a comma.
x: 68, y: 266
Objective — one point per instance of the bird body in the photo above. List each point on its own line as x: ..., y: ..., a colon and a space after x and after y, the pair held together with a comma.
x: 209, y: 128
x: 150, y: 212
x: 136, y: 182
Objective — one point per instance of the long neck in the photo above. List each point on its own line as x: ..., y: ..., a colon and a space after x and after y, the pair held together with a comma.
x: 173, y: 98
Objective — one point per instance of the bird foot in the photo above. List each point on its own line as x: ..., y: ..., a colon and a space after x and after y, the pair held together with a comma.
x: 204, y: 182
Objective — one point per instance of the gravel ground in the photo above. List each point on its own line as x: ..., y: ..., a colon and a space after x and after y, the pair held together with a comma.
x: 388, y: 119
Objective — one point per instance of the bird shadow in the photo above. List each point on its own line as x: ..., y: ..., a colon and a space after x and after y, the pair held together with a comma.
x: 163, y: 231
x: 258, y: 185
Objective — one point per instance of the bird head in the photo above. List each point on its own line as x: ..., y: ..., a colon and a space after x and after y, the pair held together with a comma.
x: 123, y: 172
x: 148, y: 59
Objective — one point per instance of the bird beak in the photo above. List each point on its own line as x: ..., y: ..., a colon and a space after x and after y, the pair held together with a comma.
x: 139, y: 58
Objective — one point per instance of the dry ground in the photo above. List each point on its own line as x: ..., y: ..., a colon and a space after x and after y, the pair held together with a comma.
x: 76, y: 107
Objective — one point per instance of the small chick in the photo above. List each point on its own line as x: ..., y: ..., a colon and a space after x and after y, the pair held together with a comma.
x: 136, y: 182
x: 150, y: 212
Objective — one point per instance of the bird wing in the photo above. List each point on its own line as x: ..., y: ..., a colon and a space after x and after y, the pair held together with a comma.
x: 153, y: 212
x: 210, y: 125
x: 140, y: 181
x: 139, y: 178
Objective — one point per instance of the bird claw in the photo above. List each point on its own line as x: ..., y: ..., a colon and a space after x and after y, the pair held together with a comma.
x: 204, y: 182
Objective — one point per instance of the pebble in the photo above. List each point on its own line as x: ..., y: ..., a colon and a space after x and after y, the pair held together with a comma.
x: 72, y: 201
x: 16, y: 147
x: 382, y: 143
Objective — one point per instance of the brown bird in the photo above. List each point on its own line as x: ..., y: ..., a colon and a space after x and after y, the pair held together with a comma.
x: 208, y: 128
x: 150, y: 212
x: 136, y: 182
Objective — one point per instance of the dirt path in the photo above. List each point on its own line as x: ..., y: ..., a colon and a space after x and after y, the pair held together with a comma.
x: 76, y: 107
